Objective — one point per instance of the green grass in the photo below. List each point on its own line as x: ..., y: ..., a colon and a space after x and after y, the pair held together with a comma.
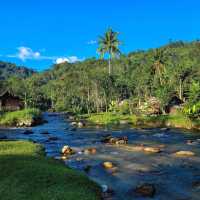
x: 177, y: 121
x: 17, y: 117
x: 26, y: 174
x: 111, y: 118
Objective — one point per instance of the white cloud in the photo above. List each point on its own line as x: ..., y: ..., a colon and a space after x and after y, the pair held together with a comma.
x: 25, y: 53
x: 61, y: 60
x: 91, y: 42
x: 70, y: 59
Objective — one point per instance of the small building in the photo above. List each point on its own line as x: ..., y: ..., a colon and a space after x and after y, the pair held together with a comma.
x: 10, y: 102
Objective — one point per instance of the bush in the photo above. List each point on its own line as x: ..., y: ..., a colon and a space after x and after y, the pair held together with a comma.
x: 192, y: 111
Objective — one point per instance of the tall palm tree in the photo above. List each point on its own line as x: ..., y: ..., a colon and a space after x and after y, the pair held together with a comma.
x: 109, y: 43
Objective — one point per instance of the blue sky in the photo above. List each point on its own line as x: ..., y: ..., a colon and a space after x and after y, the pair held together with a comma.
x: 37, y: 33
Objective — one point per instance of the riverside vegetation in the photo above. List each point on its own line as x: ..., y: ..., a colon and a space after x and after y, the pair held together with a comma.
x: 114, y: 90
x: 99, y: 85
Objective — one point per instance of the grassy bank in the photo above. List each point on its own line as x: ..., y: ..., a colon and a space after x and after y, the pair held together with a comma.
x: 176, y: 121
x: 25, y: 117
x: 111, y: 118
x: 25, y: 173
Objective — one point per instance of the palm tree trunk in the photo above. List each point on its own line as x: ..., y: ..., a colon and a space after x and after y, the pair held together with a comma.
x: 180, y: 90
x: 109, y: 65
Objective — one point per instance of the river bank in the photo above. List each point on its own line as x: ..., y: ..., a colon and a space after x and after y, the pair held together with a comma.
x: 158, y: 121
x: 21, y: 118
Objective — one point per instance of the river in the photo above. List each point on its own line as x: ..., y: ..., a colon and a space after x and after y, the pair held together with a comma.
x: 175, y: 178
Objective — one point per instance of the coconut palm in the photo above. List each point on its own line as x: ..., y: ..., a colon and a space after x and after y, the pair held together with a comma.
x: 109, y: 43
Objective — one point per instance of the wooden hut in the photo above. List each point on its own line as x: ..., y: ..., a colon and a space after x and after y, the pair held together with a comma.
x: 10, y: 102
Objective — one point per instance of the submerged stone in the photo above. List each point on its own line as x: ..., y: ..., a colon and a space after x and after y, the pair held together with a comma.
x: 28, y: 132
x: 184, y: 153
x: 145, y: 190
x: 90, y: 151
x: 152, y: 149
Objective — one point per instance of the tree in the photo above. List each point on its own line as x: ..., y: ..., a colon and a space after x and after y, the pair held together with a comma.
x: 109, y: 43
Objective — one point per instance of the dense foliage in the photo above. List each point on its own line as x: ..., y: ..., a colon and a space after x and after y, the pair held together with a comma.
x: 7, y: 70
x: 86, y: 87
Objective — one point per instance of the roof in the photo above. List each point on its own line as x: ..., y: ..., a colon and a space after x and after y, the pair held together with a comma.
x: 7, y: 93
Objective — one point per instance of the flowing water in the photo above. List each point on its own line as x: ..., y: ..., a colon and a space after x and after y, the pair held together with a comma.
x: 174, y: 178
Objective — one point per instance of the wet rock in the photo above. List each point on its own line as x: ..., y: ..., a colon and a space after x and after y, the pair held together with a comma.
x: 71, y: 117
x: 193, y: 142
x: 145, y: 190
x: 45, y: 133
x: 25, y: 123
x: 87, y: 168
x: 73, y: 129
x: 28, y: 132
x: 108, y: 165
x: 196, y: 184
x: 90, y: 151
x: 107, y: 193
x: 184, y: 153
x: 123, y: 122
x: 64, y: 157
x: 73, y: 123
x: 3, y: 138
x: 152, y: 149
x: 115, y: 140
x: 81, y: 124
x: 52, y: 138
x: 66, y: 151
x: 165, y: 129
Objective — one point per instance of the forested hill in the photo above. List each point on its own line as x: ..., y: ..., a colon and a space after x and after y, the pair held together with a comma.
x: 8, y: 70
x: 171, y: 70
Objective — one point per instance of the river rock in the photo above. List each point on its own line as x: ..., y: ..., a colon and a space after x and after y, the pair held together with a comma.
x: 73, y: 123
x: 73, y: 129
x: 152, y: 149
x: 66, y: 150
x: 53, y: 138
x: 145, y: 190
x: 107, y: 192
x: 108, y: 165
x: 87, y: 168
x: 81, y: 124
x: 3, y: 138
x: 25, y: 123
x: 28, y: 132
x: 184, y: 153
x: 45, y: 133
x: 90, y: 151
x: 196, y: 184
x: 193, y: 142
x: 115, y: 140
